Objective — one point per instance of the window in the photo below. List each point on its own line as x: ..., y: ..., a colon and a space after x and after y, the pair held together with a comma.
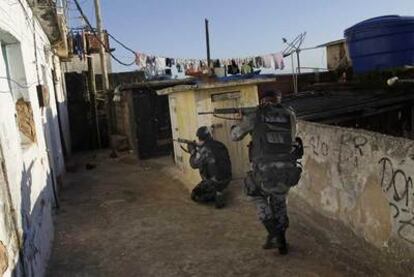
x: 13, y: 79
x: 5, y: 79
x: 13, y: 62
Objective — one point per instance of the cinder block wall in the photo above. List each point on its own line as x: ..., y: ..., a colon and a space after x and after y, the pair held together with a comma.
x: 363, y: 179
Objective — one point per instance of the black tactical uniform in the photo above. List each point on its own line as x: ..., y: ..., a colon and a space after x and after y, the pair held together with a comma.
x: 212, y: 159
x: 273, y: 157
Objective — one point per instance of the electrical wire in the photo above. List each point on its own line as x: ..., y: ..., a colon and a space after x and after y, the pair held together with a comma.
x: 111, y: 36
x: 27, y: 86
x: 120, y: 43
x: 97, y: 36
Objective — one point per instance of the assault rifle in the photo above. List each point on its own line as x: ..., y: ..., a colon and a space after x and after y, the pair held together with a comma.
x: 240, y: 111
x: 189, y: 143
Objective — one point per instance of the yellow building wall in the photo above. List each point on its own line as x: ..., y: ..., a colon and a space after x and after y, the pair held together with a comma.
x: 185, y: 126
x: 184, y: 106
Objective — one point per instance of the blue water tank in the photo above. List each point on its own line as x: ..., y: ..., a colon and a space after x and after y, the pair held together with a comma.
x: 381, y: 43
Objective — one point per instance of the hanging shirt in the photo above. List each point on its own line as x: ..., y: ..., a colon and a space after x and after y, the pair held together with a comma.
x: 267, y: 61
x: 141, y: 60
x: 179, y: 67
x: 160, y: 63
x: 259, y: 61
x: 278, y: 59
x: 246, y: 69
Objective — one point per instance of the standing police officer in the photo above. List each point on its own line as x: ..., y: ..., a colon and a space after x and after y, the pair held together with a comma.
x: 212, y: 159
x: 273, y: 152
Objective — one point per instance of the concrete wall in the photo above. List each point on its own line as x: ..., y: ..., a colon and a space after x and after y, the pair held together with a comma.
x: 362, y: 178
x: 80, y: 65
x: 26, y: 228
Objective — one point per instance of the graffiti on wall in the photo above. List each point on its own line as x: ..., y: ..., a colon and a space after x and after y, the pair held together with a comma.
x: 351, y: 149
x: 399, y: 188
x: 356, y: 156
x: 318, y: 146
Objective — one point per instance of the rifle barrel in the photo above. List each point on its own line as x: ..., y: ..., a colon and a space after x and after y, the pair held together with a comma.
x: 243, y: 110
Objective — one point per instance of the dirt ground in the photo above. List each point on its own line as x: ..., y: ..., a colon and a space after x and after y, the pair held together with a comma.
x: 129, y: 218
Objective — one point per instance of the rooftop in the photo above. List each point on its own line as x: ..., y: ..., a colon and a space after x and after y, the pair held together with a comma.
x: 220, y: 83
x: 334, y: 106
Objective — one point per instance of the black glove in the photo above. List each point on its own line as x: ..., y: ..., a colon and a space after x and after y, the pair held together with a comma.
x: 298, y: 148
x: 191, y: 147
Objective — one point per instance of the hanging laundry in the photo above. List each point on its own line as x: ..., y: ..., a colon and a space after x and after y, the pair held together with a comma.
x: 179, y: 68
x: 78, y: 45
x: 140, y: 59
x: 251, y: 63
x: 245, y: 65
x: 216, y: 63
x: 278, y: 59
x: 150, y: 66
x: 233, y: 68
x: 246, y: 69
x: 168, y: 62
x: 160, y: 63
x: 268, y: 61
x: 259, y: 61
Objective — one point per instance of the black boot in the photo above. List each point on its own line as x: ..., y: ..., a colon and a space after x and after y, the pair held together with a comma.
x: 281, y: 241
x: 271, y: 241
x: 219, y: 198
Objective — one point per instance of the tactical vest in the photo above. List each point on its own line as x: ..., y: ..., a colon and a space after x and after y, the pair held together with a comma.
x: 222, y: 159
x: 272, y: 135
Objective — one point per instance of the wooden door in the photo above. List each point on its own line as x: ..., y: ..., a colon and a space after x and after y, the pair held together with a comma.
x: 237, y: 150
x: 178, y: 155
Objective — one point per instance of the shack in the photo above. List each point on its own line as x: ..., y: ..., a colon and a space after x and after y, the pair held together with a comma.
x: 186, y: 101
x: 143, y: 117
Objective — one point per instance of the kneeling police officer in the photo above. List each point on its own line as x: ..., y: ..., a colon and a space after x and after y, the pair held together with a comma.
x: 212, y: 159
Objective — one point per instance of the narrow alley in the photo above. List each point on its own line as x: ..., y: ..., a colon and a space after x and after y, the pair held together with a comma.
x: 133, y: 218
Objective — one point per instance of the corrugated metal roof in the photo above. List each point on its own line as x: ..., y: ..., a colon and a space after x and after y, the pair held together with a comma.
x: 332, y: 106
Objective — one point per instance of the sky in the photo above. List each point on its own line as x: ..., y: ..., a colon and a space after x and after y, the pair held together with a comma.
x: 238, y: 28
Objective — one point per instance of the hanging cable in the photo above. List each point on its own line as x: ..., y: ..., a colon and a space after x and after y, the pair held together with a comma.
x: 26, y: 86
x: 97, y: 37
x: 120, y: 43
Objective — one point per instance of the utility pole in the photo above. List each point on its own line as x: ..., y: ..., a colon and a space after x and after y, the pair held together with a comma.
x: 297, y: 55
x: 92, y: 89
x: 92, y: 92
x: 102, y: 54
x: 294, y: 76
x: 208, y: 45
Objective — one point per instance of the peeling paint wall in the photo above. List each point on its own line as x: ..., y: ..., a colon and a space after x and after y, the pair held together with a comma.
x: 26, y: 198
x: 362, y: 178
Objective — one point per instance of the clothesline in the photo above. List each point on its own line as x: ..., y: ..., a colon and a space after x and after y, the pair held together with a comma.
x: 152, y: 63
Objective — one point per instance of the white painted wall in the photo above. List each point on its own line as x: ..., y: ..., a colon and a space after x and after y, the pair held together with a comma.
x: 27, y: 168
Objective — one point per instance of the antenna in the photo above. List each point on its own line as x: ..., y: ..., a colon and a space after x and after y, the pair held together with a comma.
x: 294, y: 47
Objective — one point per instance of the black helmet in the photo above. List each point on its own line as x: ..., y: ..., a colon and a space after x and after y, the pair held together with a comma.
x: 203, y: 133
